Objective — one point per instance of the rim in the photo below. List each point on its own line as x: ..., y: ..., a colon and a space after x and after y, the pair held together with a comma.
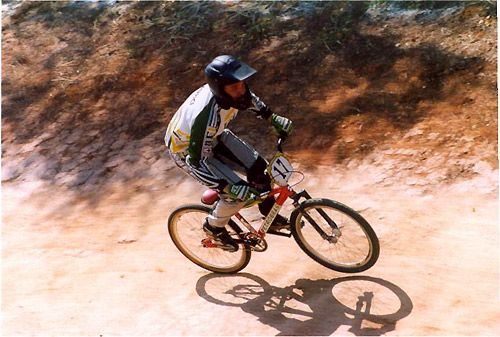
x: 187, y: 228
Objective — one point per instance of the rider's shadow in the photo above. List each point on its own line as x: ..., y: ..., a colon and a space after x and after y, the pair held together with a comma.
x: 310, y: 307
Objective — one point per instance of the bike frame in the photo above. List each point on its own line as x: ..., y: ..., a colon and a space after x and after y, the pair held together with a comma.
x: 283, y: 193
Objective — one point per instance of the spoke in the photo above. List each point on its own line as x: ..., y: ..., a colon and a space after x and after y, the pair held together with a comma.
x: 352, y: 246
x: 190, y: 234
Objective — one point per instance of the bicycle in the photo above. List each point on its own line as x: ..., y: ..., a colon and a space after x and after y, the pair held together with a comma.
x: 322, y: 228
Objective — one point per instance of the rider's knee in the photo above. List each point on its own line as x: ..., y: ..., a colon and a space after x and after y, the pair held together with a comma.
x: 256, y: 174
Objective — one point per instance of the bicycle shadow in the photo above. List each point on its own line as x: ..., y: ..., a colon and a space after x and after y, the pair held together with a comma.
x: 284, y: 308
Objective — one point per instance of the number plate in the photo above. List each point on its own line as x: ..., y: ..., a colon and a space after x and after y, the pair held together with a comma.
x: 280, y: 169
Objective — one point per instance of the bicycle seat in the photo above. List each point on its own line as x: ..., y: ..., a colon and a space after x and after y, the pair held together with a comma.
x: 209, y: 197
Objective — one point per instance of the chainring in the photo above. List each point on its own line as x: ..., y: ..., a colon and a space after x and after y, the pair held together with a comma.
x: 255, y: 242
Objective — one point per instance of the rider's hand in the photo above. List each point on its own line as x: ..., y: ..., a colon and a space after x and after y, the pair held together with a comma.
x: 281, y: 124
x: 241, y: 192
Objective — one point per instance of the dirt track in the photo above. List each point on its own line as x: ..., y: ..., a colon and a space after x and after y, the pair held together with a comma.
x: 74, y: 268
x: 398, y: 120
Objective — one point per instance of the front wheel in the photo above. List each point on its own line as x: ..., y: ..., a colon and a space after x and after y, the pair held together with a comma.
x: 185, y: 229
x: 335, y: 235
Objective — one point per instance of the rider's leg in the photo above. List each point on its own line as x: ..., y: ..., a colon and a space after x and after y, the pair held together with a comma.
x: 214, y: 174
x: 223, y: 211
x: 257, y: 177
x: 225, y: 208
x: 216, y: 221
x: 235, y: 150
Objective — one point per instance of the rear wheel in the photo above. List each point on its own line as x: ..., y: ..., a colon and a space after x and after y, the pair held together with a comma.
x: 335, y: 235
x: 185, y: 228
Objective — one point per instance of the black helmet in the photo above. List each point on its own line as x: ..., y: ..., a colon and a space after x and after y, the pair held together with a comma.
x: 224, y: 70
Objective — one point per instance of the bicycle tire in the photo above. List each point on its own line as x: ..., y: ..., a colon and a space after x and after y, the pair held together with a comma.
x: 173, y: 229
x: 297, y: 231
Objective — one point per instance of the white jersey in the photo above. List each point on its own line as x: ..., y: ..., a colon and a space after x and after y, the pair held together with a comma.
x: 197, y: 127
x: 196, y: 124
x: 201, y: 117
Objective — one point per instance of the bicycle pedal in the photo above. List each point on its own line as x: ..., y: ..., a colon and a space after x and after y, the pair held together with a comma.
x: 208, y: 243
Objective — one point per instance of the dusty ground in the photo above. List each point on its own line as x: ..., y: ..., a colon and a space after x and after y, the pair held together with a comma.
x: 75, y: 269
x: 401, y: 125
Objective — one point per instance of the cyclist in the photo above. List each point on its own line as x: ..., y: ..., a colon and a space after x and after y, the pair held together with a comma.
x: 199, y: 142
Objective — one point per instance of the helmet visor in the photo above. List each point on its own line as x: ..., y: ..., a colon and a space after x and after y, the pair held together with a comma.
x: 242, y: 72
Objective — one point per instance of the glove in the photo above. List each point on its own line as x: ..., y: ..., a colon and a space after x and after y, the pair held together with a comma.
x: 281, y: 124
x: 241, y: 192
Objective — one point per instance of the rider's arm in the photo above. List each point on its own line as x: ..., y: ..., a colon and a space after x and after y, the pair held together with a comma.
x: 201, y: 141
x: 199, y: 158
x: 281, y: 124
x: 262, y: 110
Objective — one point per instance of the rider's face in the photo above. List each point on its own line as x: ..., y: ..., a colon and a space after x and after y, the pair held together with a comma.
x: 235, y: 90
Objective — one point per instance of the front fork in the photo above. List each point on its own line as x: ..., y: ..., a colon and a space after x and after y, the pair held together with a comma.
x: 299, y: 208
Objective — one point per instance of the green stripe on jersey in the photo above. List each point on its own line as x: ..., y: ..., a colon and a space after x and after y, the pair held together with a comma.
x: 198, y: 132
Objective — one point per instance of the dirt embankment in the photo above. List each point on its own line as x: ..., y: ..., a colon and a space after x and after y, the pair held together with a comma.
x: 88, y: 89
x: 395, y: 114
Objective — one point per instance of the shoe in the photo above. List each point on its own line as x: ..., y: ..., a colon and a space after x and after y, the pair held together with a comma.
x: 220, y: 235
x: 280, y: 226
x: 280, y: 222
